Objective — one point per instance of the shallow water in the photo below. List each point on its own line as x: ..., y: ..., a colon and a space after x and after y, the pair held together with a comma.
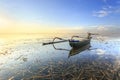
x: 24, y: 57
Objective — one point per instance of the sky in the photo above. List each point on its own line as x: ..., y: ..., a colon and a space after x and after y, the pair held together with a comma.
x: 33, y: 16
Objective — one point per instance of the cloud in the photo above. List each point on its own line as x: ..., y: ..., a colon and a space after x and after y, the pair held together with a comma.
x: 107, y: 9
x: 100, y: 13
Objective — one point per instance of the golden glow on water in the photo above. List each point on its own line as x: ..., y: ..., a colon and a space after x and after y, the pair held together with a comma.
x: 10, y: 40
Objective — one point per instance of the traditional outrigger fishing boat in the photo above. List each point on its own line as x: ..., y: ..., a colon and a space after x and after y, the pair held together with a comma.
x: 72, y: 42
x: 77, y: 45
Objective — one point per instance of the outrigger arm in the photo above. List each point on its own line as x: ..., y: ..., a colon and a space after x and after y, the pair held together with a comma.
x: 62, y: 40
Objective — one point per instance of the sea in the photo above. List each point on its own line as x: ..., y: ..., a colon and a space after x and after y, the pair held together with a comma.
x: 24, y: 57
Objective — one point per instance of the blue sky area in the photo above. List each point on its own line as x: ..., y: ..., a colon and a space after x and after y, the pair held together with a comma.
x: 68, y: 13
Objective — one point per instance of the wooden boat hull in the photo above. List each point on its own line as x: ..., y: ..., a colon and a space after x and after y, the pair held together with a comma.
x: 78, y: 44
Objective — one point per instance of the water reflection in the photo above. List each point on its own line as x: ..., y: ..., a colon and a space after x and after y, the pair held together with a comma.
x: 75, y: 51
x: 30, y: 60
